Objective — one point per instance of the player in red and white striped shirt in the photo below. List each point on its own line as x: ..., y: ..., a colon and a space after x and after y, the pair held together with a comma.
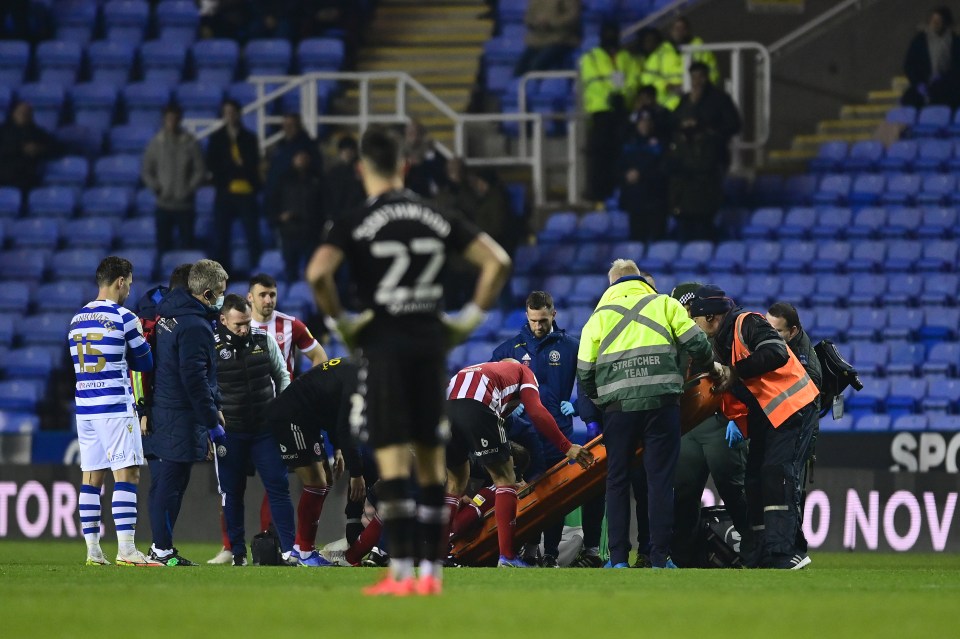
x: 286, y: 329
x: 478, y: 398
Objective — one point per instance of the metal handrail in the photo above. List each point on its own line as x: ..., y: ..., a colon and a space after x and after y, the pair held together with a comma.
x: 270, y: 88
x: 572, y: 161
x: 776, y: 47
x: 674, y: 7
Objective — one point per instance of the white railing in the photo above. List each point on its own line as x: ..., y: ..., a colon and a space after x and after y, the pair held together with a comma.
x: 272, y: 88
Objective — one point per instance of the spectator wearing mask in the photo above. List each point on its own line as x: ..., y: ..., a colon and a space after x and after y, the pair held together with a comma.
x: 24, y: 146
x: 173, y: 169
x: 932, y: 63
x: 610, y: 77
x: 233, y: 157
x: 297, y: 212
x: 664, y: 67
x: 553, y: 32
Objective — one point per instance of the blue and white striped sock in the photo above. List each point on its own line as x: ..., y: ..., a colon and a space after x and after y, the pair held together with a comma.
x: 90, y: 514
x: 125, y: 515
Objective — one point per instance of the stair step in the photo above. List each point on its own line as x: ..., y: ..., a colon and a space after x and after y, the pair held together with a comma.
x: 440, y: 36
x: 855, y: 111
x: 899, y: 84
x: 886, y: 95
x: 420, y: 11
x: 813, y: 142
x: 418, y: 53
x: 860, y: 125
x: 785, y: 156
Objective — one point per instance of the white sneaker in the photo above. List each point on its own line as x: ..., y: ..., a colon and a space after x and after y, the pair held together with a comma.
x: 800, y: 562
x: 137, y: 559
x: 95, y: 557
x: 223, y: 557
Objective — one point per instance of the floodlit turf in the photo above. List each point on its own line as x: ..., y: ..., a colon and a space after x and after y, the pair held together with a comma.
x: 45, y: 591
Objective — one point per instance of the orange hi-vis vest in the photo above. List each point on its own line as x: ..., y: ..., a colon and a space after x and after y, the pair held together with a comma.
x: 780, y: 393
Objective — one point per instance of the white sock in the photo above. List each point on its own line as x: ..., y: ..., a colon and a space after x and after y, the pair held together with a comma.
x: 125, y: 515
x: 401, y: 568
x: 431, y: 568
x: 160, y: 553
x: 90, y: 516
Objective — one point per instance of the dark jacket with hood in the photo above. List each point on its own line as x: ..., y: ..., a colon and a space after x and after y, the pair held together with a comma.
x: 186, y: 399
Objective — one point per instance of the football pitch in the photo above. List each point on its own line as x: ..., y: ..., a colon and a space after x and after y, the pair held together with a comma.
x: 46, y: 591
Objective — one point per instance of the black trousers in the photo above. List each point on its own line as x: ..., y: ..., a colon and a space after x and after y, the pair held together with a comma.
x: 773, y: 475
x: 167, y: 220
x: 168, y: 483
x: 227, y: 208
x: 659, y: 432
x: 603, y: 154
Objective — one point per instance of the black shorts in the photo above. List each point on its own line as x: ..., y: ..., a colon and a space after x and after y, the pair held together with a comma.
x: 476, y: 432
x: 400, y: 401
x: 298, y: 447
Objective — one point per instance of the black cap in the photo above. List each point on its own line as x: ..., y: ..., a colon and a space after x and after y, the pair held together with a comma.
x: 710, y: 300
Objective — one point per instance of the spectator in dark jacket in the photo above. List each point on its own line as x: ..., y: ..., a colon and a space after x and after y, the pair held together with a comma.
x: 932, y: 63
x: 709, y: 108
x: 294, y: 139
x: 426, y: 167
x: 23, y: 147
x: 233, y: 157
x: 343, y: 189
x: 187, y: 420
x: 297, y: 212
x: 643, y: 185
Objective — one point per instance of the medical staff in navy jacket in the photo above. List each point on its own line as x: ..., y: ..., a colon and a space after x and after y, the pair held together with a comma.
x: 552, y: 356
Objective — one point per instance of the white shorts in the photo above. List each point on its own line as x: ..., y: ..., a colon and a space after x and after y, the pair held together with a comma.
x: 112, y: 443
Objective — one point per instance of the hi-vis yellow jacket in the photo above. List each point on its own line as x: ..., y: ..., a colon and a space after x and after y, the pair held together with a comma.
x: 602, y: 76
x: 664, y: 67
x: 630, y: 345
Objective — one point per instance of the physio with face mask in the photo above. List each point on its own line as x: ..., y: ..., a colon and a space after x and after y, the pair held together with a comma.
x: 187, y: 420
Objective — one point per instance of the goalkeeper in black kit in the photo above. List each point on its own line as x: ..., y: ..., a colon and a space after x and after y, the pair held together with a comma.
x: 319, y: 400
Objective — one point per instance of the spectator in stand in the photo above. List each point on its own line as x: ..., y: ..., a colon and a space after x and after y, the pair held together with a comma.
x: 647, y: 101
x: 297, y: 212
x: 426, y: 167
x: 233, y: 157
x: 173, y: 169
x: 643, y: 184
x: 23, y: 147
x: 645, y: 43
x: 294, y: 139
x: 664, y: 67
x: 709, y: 108
x: 610, y: 78
x: 343, y: 189
x: 932, y: 63
x: 553, y: 32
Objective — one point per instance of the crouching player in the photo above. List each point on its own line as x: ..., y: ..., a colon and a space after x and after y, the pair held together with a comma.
x: 316, y: 401
x: 478, y: 399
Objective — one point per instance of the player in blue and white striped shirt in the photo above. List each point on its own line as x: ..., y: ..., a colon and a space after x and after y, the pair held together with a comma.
x: 104, y: 338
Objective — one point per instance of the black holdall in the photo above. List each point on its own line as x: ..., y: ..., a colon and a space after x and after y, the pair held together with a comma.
x: 719, y: 539
x: 265, y: 549
x: 838, y: 373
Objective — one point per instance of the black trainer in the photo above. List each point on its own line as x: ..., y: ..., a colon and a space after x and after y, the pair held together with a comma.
x: 643, y: 561
x: 239, y: 560
x: 585, y: 560
x: 173, y: 559
x: 549, y: 561
x: 376, y: 559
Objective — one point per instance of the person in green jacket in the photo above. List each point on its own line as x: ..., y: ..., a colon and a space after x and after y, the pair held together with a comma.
x: 628, y: 365
x: 664, y: 68
x: 610, y: 78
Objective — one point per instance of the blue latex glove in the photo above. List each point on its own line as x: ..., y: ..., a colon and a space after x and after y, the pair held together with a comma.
x: 518, y: 412
x: 593, y: 429
x: 733, y: 436
x: 217, y: 434
x: 567, y: 409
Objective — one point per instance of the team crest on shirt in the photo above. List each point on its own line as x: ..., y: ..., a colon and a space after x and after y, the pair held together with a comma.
x: 316, y: 448
x: 226, y: 354
x: 484, y: 442
x: 130, y: 428
x: 554, y: 357
x: 280, y: 338
x: 221, y: 451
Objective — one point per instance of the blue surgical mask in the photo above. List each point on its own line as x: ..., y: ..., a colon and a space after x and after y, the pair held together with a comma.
x: 218, y: 304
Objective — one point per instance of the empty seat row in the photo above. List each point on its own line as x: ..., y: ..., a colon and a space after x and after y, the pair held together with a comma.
x: 941, y: 422
x: 833, y: 222
x: 898, y: 188
x: 926, y: 155
x: 110, y: 201
x: 931, y: 120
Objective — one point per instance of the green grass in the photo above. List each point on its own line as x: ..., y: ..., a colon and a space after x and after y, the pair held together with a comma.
x: 45, y: 591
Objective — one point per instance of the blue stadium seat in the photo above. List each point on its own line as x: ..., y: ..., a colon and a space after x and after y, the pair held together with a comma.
x: 24, y: 264
x: 35, y: 232
x: 162, y: 62
x: 902, y: 222
x: 870, y: 323
x: 20, y: 395
x: 910, y: 423
x: 93, y: 232
x: 798, y: 189
x: 593, y: 226
x: 512, y: 12
x: 864, y: 155
x: 628, y: 250
x: 130, y: 139
x: 902, y: 188
x: 902, y: 255
x: 35, y: 362
x: 320, y: 54
x: 866, y: 190
x: 798, y: 221
x: 733, y: 285
x: 519, y: 287
x: 10, y: 202
x: 173, y: 259
x: 14, y: 62
x: 14, y: 297
x: 577, y: 317
x: 832, y: 222
x: 80, y: 140
x: 61, y: 297
x: 941, y: 290
x: 869, y: 400
x: 488, y: 329
x: 47, y: 101
x: 659, y: 257
x: 902, y: 115
x: 694, y: 256
x: 870, y: 358
x: 271, y: 263
x: 267, y: 57
x: 215, y: 61
x: 203, y: 200
x: 558, y: 259
x: 52, y: 201
x: 797, y: 257
x: 932, y: 155
x: 905, y: 360
x: 943, y: 395
x: 111, y: 62
x: 75, y: 263
x: 591, y: 257
x: 832, y: 323
x: 499, y: 78
x: 761, y: 291
x: 93, y: 104
x: 944, y: 423
x: 730, y: 257
x: 526, y: 259
x: 938, y: 256
x: 937, y: 189
x: 144, y: 260
x: 842, y: 425
x: 833, y: 189
x: 932, y: 120
x: 832, y: 257
x: 106, y: 201
x: 118, y: 170
x: 145, y: 102
x: 763, y: 224
x: 177, y: 21
x: 502, y: 50
x: 940, y: 324
x: 126, y: 20
x: 67, y: 171
x: 145, y: 203
x: 942, y: 360
x: 799, y: 287
x: 832, y: 291
x: 199, y: 100
x: 587, y: 290
x: 867, y: 223
x: 903, y: 321
x: 559, y: 227
x: 58, y: 62
x: 830, y: 156
x: 899, y: 156
x: 937, y: 223
x: 872, y: 423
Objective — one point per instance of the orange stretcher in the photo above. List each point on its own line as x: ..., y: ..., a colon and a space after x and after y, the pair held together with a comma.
x: 566, y: 486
